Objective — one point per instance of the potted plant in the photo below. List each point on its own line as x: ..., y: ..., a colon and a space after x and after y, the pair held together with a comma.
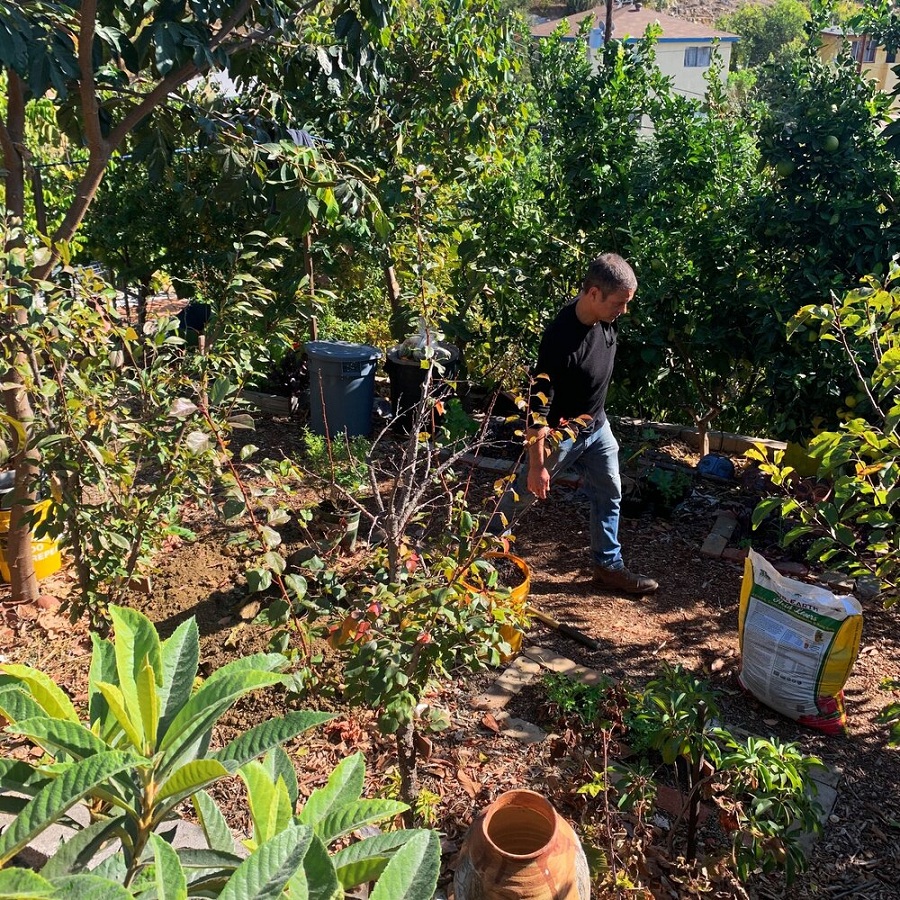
x: 410, y: 364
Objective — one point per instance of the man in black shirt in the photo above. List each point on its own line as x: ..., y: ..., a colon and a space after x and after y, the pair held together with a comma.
x: 574, y: 367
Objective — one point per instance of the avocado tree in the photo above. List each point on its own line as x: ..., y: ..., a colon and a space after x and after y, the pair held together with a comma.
x: 113, y: 72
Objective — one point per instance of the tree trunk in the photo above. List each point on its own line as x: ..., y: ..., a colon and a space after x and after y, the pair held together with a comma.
x: 84, y: 194
x: 409, y: 773
x: 703, y: 436
x: 26, y: 463
x: 15, y: 399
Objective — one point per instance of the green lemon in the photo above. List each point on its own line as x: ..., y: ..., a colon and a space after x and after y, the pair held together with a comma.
x: 850, y: 400
x: 831, y: 144
x: 784, y: 168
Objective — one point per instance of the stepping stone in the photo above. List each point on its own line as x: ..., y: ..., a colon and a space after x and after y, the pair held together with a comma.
x: 718, y: 538
x: 521, y: 673
x: 526, y: 732
x: 553, y: 662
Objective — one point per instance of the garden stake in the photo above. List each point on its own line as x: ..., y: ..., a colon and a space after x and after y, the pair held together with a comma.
x: 564, y: 629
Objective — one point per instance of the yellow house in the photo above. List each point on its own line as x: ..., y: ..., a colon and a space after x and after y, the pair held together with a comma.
x: 875, y: 62
x: 683, y: 51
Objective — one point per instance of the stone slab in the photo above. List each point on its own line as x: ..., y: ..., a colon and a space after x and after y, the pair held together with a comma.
x: 522, y: 672
x: 725, y: 525
x: 526, y: 732
x: 553, y: 662
x: 489, y: 463
x: 713, y: 545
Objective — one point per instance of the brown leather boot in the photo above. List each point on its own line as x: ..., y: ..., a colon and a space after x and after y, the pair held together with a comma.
x: 624, y: 580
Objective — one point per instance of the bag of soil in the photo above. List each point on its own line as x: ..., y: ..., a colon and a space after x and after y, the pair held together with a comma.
x: 798, y: 645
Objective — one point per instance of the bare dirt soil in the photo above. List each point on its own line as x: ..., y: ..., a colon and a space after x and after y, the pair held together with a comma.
x: 692, y: 620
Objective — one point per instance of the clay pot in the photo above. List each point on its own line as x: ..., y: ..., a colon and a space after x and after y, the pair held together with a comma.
x: 520, y: 848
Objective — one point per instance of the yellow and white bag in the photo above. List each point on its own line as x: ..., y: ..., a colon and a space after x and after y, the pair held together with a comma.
x: 798, y: 645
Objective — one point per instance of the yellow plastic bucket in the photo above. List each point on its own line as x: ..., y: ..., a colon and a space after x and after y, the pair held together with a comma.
x: 518, y: 596
x: 47, y: 559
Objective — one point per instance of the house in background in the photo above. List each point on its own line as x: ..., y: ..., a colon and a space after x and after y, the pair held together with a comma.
x: 683, y: 50
x: 874, y: 60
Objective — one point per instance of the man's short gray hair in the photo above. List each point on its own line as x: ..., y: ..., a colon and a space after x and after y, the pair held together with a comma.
x: 610, y: 273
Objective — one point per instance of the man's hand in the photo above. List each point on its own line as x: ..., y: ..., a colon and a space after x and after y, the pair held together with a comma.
x: 539, y: 481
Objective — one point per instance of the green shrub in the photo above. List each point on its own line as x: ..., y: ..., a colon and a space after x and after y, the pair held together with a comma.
x: 145, y: 748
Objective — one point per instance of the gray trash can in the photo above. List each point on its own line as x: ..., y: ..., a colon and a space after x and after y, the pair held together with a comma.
x: 341, y: 387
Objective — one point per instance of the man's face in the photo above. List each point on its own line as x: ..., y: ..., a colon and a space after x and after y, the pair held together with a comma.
x: 610, y: 306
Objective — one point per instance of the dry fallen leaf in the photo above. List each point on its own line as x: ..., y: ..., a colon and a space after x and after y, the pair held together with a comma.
x: 250, y: 610
x: 490, y: 723
x: 231, y: 641
x: 471, y: 787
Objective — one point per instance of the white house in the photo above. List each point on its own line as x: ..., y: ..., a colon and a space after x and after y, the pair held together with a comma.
x: 683, y: 50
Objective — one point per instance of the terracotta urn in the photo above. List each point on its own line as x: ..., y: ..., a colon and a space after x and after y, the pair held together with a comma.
x: 520, y: 848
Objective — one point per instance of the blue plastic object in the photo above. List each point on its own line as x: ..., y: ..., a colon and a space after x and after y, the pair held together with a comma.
x: 717, y: 466
x: 341, y: 387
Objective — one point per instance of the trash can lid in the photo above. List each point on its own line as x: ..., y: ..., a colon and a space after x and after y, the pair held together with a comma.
x: 342, y: 351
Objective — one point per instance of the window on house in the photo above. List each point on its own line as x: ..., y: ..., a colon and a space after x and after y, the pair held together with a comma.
x: 695, y: 57
x: 867, y: 55
x: 891, y: 57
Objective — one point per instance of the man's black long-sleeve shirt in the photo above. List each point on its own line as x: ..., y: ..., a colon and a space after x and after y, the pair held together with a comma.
x: 574, y: 368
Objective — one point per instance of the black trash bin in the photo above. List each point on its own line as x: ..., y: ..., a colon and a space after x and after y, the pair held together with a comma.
x: 407, y: 378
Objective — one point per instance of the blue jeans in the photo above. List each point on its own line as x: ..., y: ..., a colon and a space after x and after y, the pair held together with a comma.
x: 595, y: 456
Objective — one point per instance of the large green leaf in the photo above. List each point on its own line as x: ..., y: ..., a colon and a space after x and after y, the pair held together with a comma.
x: 48, y: 695
x: 141, y: 642
x: 171, y: 883
x: 180, y: 657
x: 202, y: 711
x: 412, y: 872
x: 103, y: 668
x: 77, y: 851
x: 270, y: 803
x: 19, y: 776
x: 207, y: 870
x: 192, y: 858
x: 278, y: 764
x: 354, y: 815
x: 136, y: 645
x: 60, y: 734
x: 89, y: 886
x: 113, y: 867
x: 131, y: 725
x: 17, y: 704
x: 190, y: 778
x: 262, y: 738
x: 23, y: 884
x: 218, y: 834
x: 264, y: 873
x: 52, y: 800
x: 148, y: 704
x: 364, y: 861
x: 256, y: 662
x: 344, y: 786
x: 322, y: 882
